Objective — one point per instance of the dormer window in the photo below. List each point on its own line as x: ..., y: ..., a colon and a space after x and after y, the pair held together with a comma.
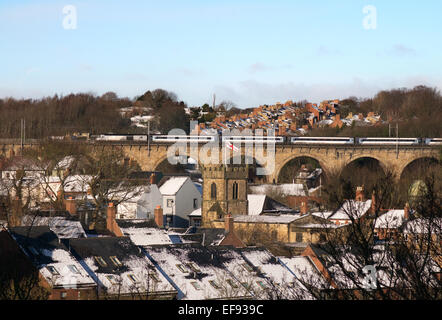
x: 214, y: 284
x: 154, y: 277
x: 52, y: 270
x: 73, y: 269
x: 100, y: 261
x: 112, y: 279
x: 181, y: 268
x: 196, y: 285
x: 192, y: 267
x: 232, y: 284
x: 132, y: 278
x: 261, y: 284
x: 116, y: 261
x: 247, y: 267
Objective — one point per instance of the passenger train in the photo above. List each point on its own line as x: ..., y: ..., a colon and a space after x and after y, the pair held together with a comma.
x: 167, y: 139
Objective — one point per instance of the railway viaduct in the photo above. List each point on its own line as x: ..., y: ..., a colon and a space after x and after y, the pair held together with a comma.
x: 332, y: 158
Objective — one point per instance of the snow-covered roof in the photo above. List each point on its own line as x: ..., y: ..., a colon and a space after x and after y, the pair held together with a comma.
x: 195, y: 213
x: 143, y: 233
x: 285, y: 281
x: 53, y: 260
x: 283, y: 218
x: 171, y: 186
x: 63, y: 227
x: 77, y: 183
x: 198, y: 272
x: 351, y: 208
x: 260, y: 203
x: 325, y: 214
x: 392, y: 219
x: 256, y: 203
x: 305, y: 271
x: 120, y: 267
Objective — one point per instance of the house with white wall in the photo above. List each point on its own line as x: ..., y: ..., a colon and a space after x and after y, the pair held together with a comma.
x: 142, y: 204
x: 180, y: 198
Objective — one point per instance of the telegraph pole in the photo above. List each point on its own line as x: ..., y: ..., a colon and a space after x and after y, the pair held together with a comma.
x: 148, y: 137
x: 397, y: 140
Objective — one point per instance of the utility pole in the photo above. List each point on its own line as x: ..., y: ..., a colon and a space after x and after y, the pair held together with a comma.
x: 148, y: 137
x: 22, y: 133
x: 397, y: 140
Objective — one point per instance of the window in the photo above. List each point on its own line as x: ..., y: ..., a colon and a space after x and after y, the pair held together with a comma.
x: 232, y: 284
x: 116, y: 262
x: 246, y: 285
x: 112, y: 279
x: 214, y: 284
x: 235, y: 190
x: 63, y: 295
x: 247, y: 267
x: 192, y: 267
x: 261, y: 284
x: 196, y: 285
x: 100, y: 261
x: 169, y: 203
x: 73, y: 269
x: 132, y: 278
x: 298, y: 237
x: 213, y: 191
x: 195, y: 203
x: 154, y: 277
x: 52, y: 270
x: 182, y: 268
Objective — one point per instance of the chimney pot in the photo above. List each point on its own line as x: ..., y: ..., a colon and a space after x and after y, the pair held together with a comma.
x: 304, y: 208
x: 407, y: 211
x: 71, y: 206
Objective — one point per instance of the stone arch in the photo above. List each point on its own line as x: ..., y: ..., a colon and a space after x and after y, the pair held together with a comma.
x: 282, y: 164
x: 432, y: 158
x: 381, y: 162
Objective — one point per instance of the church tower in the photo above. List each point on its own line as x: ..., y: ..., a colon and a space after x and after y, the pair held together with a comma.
x: 224, y: 192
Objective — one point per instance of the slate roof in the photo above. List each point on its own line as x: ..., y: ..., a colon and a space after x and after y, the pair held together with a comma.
x: 200, y: 272
x: 54, y: 261
x: 285, y: 283
x: 63, y: 226
x: 259, y: 204
x: 119, y: 266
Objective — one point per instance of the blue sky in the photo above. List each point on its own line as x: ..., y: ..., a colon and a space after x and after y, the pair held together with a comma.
x: 249, y: 52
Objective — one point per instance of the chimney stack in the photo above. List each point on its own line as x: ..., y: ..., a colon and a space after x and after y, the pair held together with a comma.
x: 304, y: 208
x: 152, y: 179
x: 158, y: 215
x: 71, y: 206
x: 360, y: 194
x: 407, y: 211
x: 228, y: 223
x: 111, y: 216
